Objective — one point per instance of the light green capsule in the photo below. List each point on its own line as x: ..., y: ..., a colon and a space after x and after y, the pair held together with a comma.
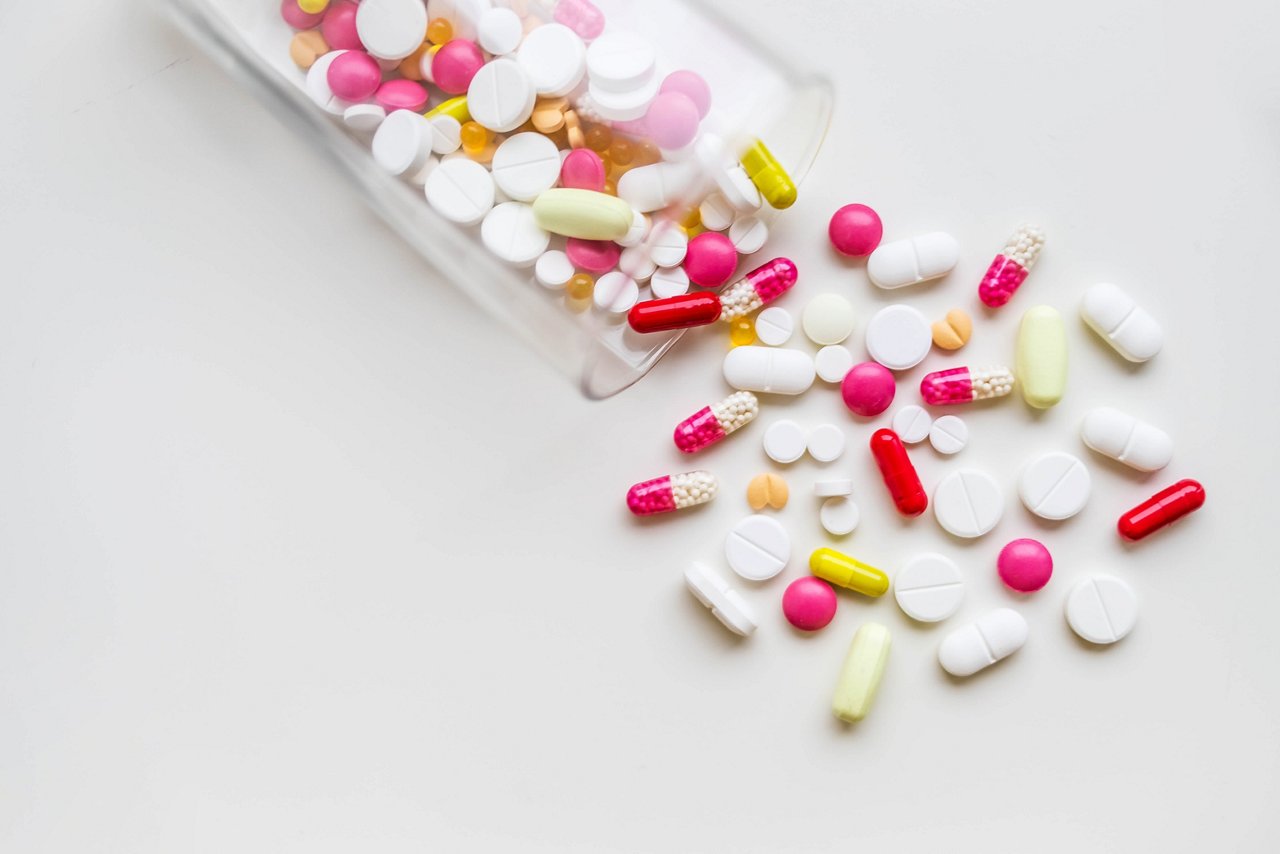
x: 1041, y: 364
x: 860, y: 675
x: 583, y: 213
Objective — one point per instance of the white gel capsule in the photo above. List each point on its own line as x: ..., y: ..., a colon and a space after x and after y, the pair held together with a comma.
x: 917, y: 259
x: 994, y: 637
x: 653, y: 187
x: 1124, y: 438
x: 1121, y: 322
x: 714, y: 591
x: 776, y: 370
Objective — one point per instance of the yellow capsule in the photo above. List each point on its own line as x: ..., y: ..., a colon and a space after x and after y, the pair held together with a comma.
x: 439, y: 30
x: 313, y: 7
x: 474, y: 136
x: 860, y: 675
x: 770, y: 178
x: 742, y: 331
x: 843, y: 571
x: 457, y: 108
x: 580, y: 286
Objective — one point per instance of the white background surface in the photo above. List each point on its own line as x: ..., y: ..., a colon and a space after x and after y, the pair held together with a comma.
x: 297, y: 554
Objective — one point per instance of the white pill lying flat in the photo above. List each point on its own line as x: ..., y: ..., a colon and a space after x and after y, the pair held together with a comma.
x: 615, y: 293
x: 317, y: 85
x: 525, y: 165
x: 715, y: 213
x: 784, y: 441
x: 949, y: 434
x: 917, y: 259
x: 776, y: 370
x: 774, y: 326
x: 623, y: 106
x: 553, y: 270
x: 638, y: 231
x: 555, y: 59
x: 839, y: 516
x: 758, y: 548
x: 715, y: 592
x: 737, y: 189
x: 391, y: 29
x: 929, y: 588
x: 669, y: 282
x: 653, y: 187
x: 833, y: 487
x: 636, y: 263
x: 968, y: 503
x: 499, y: 31
x: 620, y: 61
x: 464, y: 15
x: 828, y: 319
x: 365, y: 118
x: 912, y: 424
x: 1124, y: 438
x: 668, y: 247
x: 1054, y: 486
x: 995, y: 636
x: 501, y: 95
x: 402, y: 143
x: 1121, y: 322
x: 833, y: 362
x: 748, y: 235
x: 826, y: 443
x: 511, y: 232
x: 1102, y: 609
x: 446, y: 134
x: 460, y: 189
x: 899, y: 337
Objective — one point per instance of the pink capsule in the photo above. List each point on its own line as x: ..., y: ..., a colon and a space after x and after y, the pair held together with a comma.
x: 712, y: 423
x: 1010, y: 268
x: 760, y: 287
x: 673, y: 492
x: 962, y: 385
x: 581, y: 16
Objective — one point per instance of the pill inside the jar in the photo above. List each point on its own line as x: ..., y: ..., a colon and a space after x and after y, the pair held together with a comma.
x: 914, y: 260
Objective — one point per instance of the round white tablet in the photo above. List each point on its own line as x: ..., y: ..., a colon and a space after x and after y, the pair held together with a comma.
x: 748, y: 235
x: 828, y: 319
x: 715, y: 213
x: 499, y: 31
x: 391, y: 29
x: 785, y: 441
x: 615, y: 293
x: 623, y: 106
x: 511, y: 232
x: 912, y: 424
x: 949, y: 434
x: 929, y: 588
x: 758, y: 548
x: 668, y: 247
x: 459, y: 189
x: 1054, y: 486
x: 899, y: 337
x: 318, y: 85
x: 669, y: 282
x: 446, y: 134
x: 501, y: 96
x: 525, y: 165
x: 839, y: 515
x: 553, y: 269
x: 833, y: 487
x: 555, y: 59
x: 638, y: 231
x: 737, y: 189
x: 620, y: 62
x: 826, y: 443
x: 968, y: 503
x: 774, y: 326
x: 833, y: 362
x: 364, y: 117
x: 636, y: 263
x: 1102, y: 609
x: 403, y: 142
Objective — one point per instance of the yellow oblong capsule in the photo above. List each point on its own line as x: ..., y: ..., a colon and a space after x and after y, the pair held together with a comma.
x: 582, y: 213
x: 770, y: 178
x: 455, y: 107
x: 1041, y: 362
x: 843, y: 571
x: 860, y: 675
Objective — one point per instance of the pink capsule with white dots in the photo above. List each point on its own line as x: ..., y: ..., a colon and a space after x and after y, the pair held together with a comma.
x: 963, y: 385
x: 712, y: 423
x: 1010, y: 268
x: 758, y: 288
x: 673, y: 492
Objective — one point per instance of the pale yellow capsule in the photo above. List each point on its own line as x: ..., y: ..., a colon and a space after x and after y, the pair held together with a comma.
x: 1041, y: 362
x: 583, y: 213
x: 860, y: 675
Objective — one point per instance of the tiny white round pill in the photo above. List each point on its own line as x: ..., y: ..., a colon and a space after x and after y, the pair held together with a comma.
x: 912, y: 424
x: 511, y: 232
x: 826, y: 443
x: 391, y: 29
x: 828, y: 319
x: 525, y: 165
x: 949, y: 434
x: 715, y: 213
x: 785, y: 441
x: 833, y: 487
x: 636, y: 263
x: 668, y: 247
x: 774, y: 326
x: 899, y: 337
x: 402, y: 143
x: 748, y: 235
x: 669, y: 282
x: 1055, y: 486
x: 553, y: 269
x: 615, y: 293
x: 446, y: 134
x: 499, y: 31
x: 968, y: 503
x: 501, y: 95
x: 1102, y: 609
x: 758, y: 548
x: 555, y: 59
x: 929, y: 588
x: 833, y: 362
x: 459, y: 189
x: 839, y: 515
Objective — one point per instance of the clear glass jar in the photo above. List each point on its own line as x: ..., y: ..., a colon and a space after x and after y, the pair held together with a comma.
x: 755, y: 94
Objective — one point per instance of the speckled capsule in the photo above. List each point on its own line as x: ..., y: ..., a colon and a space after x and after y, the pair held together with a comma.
x: 712, y: 423
x: 672, y: 492
x: 1010, y: 268
x: 962, y: 385
x: 758, y: 288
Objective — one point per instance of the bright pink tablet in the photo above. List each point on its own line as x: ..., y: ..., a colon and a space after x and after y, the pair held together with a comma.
x: 855, y: 230
x: 455, y: 64
x: 594, y: 256
x: 809, y: 603
x: 710, y: 259
x: 1025, y: 565
x: 401, y: 95
x: 339, y: 27
x: 868, y: 389
x: 582, y: 169
x: 354, y: 76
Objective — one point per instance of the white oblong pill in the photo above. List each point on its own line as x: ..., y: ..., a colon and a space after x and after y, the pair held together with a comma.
x: 774, y: 326
x: 912, y: 424
x: 784, y: 441
x: 499, y: 31
x: 949, y: 434
x: 365, y: 118
x: 715, y: 213
x: 391, y: 29
x: 715, y: 592
x: 775, y: 370
x: 317, y: 85
x: 828, y: 319
x: 511, y: 232
x: 1125, y: 439
x: 1121, y: 322
x: 459, y: 189
x: 1102, y: 609
x: 995, y: 636
x: 833, y: 362
x: 916, y: 259
x: 839, y: 516
x: 653, y: 187
x: 615, y: 293
x: 620, y: 61
x: 501, y: 95
x: 833, y: 487
x: 758, y: 548
x: 826, y: 443
x: 968, y: 503
x: 669, y: 282
x: 555, y: 59
x: 748, y: 235
x: 636, y: 263
x: 446, y: 134
x: 899, y: 337
x: 669, y: 246
x: 1054, y: 486
x: 525, y: 165
x: 553, y: 269
x: 929, y: 588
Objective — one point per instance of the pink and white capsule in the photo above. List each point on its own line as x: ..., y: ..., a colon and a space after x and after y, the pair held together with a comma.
x: 712, y: 423
x: 673, y: 492
x: 962, y: 385
x: 1010, y: 268
x: 760, y: 287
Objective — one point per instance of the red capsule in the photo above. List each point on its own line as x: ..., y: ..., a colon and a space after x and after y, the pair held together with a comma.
x: 899, y: 474
x: 1164, y: 508
x: 678, y: 312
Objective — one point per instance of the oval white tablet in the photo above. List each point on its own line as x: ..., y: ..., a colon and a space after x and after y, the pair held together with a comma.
x: 833, y: 362
x: 1125, y: 439
x: 620, y: 61
x: 365, y: 118
x: 499, y: 31
x: 968, y: 503
x: 929, y: 588
x: 715, y: 213
x: 774, y: 326
x: 636, y: 263
x: 553, y: 270
x: 839, y: 516
x: 555, y: 59
x: 949, y: 434
x: 668, y: 247
x: 511, y: 232
x: 391, y: 29
x: 917, y: 259
x: 827, y: 319
x: 776, y: 370
x: 784, y: 441
x: 995, y: 636
x: 615, y: 293
x: 1102, y: 609
x: 1054, y: 486
x: 833, y: 487
x: 826, y: 443
x: 912, y: 424
x: 758, y: 548
x: 317, y: 85
x: 748, y: 235
x: 501, y: 96
x: 525, y: 165
x: 459, y: 189
x: 715, y: 592
x: 1121, y: 322
x: 899, y: 337
x: 669, y: 282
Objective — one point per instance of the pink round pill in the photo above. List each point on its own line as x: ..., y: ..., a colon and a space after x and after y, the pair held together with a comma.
x: 455, y: 63
x: 855, y: 230
x: 1025, y: 565
x: 401, y: 95
x: 339, y: 27
x: 710, y: 259
x: 354, y: 76
x: 809, y: 603
x: 594, y: 256
x: 672, y: 120
x: 692, y: 86
x: 582, y: 169
x: 298, y: 19
x: 868, y: 389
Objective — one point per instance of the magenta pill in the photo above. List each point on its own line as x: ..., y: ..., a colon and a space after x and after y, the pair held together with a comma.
x: 1025, y: 565
x: 582, y: 169
x: 298, y: 19
x: 455, y: 63
x: 594, y: 256
x: 354, y: 76
x: 868, y: 389
x: 339, y: 27
x: 710, y: 259
x: 809, y: 603
x: 401, y: 95
x: 855, y: 230
x: 692, y: 86
x: 672, y: 120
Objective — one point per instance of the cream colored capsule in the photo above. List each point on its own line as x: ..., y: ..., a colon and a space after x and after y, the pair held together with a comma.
x: 1041, y: 364
x: 860, y: 675
x: 583, y: 213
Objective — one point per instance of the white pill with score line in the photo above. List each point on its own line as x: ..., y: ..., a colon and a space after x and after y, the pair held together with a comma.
x: 774, y: 326
x: 555, y: 59
x: 668, y: 247
x: 968, y: 503
x: 669, y: 282
x: 511, y: 232
x: 912, y: 424
x: 391, y: 29
x: 994, y: 637
x: 615, y: 293
x: 929, y: 588
x: 525, y: 165
x: 1102, y: 609
x: 501, y: 96
x: 758, y: 548
x: 1054, y: 486
x: 949, y: 434
x: 459, y: 189
x: 748, y: 235
x: 715, y: 592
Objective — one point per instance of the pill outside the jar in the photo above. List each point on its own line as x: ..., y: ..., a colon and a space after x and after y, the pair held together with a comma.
x: 953, y: 331
x: 460, y: 190
x: 715, y: 592
x: 511, y: 233
x: 833, y: 487
x: 1025, y: 565
x: 1102, y: 609
x: 615, y: 293
x: 1041, y: 361
x: 839, y: 515
x: 828, y: 319
x: 553, y: 269
x: 912, y: 424
x: 916, y: 259
x: 929, y: 588
x: 767, y: 490
x: 899, y: 475
x: 899, y: 337
x: 774, y: 326
x: 749, y: 234
x: 968, y: 503
x: 833, y: 363
x: 826, y: 443
x: 672, y: 492
x: 855, y: 230
x: 861, y: 673
x: 994, y: 637
x: 949, y: 434
x: 669, y: 282
x: 775, y: 370
x: 758, y: 548
x: 1121, y: 322
x: 844, y: 571
x: 1124, y: 438
x: 784, y: 441
x: 1162, y: 509
x: 1054, y: 486
x: 525, y: 165
x: 809, y: 603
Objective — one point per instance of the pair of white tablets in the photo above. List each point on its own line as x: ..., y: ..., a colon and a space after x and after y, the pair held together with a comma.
x: 785, y: 441
x: 948, y: 435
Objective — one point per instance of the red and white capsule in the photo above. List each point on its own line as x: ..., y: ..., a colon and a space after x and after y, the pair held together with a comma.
x: 1010, y: 268
x: 758, y: 288
x: 963, y: 385
x: 1164, y: 508
x: 672, y: 492
x: 712, y: 423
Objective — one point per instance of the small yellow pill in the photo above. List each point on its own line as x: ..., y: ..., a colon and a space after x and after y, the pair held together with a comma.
x: 843, y: 571
x: 580, y: 286
x: 861, y: 673
x: 770, y: 178
x: 313, y: 7
x: 767, y: 490
x: 953, y: 332
x: 742, y: 331
x: 474, y: 136
x: 456, y: 108
x: 439, y: 30
x: 1041, y: 360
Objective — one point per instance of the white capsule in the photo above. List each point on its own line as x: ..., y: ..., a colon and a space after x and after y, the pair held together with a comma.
x: 994, y: 637
x: 1121, y: 322
x: 916, y: 259
x: 778, y: 370
x: 1122, y: 437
